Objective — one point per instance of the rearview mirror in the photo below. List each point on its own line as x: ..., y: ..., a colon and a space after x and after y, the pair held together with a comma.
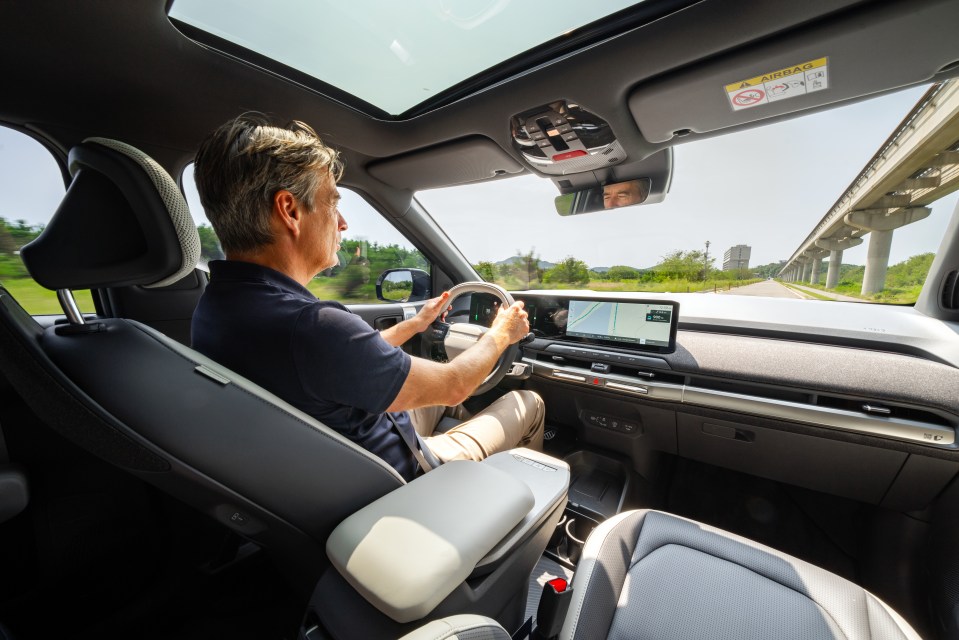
x: 610, y: 196
x: 403, y: 285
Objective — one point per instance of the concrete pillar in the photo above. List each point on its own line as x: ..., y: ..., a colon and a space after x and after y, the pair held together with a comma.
x: 880, y: 227
x: 835, y: 248
x: 832, y: 273
x: 806, y: 270
x: 816, y: 267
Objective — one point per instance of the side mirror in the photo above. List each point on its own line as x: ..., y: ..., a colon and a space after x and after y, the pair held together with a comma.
x: 403, y: 285
x: 610, y: 196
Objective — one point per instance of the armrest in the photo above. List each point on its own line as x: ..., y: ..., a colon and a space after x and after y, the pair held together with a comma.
x: 461, y: 626
x: 411, y: 548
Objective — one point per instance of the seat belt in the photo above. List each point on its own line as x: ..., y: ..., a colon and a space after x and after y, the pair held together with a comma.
x: 426, y: 459
x: 4, y: 455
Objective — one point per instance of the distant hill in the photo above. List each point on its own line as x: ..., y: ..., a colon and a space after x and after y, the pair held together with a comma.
x: 542, y: 264
x: 605, y: 269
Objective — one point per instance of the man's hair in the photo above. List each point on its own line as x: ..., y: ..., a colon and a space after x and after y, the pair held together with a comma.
x: 241, y: 166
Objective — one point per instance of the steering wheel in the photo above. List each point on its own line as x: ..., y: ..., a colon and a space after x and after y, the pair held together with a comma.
x: 460, y: 336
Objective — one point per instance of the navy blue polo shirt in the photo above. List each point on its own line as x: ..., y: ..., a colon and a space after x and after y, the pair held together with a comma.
x: 317, y: 355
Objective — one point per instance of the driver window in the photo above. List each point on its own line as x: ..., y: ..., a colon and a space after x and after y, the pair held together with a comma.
x: 370, y: 246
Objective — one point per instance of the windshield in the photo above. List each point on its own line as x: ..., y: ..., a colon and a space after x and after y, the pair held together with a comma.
x: 739, y: 218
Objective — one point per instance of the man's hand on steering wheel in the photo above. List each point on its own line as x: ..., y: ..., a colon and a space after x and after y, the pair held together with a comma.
x: 512, y: 321
x: 433, y: 309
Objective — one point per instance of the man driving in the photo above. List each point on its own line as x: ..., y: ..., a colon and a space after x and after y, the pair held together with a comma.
x: 270, y: 194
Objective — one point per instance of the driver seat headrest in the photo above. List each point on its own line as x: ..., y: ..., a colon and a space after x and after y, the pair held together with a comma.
x: 123, y: 221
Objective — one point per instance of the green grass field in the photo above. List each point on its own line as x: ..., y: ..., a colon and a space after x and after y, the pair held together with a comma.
x: 39, y: 301
x: 889, y: 295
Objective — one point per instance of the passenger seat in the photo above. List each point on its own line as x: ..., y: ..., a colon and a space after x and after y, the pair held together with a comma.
x: 649, y: 574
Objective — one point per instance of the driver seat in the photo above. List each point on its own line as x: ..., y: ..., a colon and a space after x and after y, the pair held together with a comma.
x: 156, y: 408
x: 211, y: 438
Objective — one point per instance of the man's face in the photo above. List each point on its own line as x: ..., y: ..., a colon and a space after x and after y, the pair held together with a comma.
x: 324, y: 225
x: 621, y: 194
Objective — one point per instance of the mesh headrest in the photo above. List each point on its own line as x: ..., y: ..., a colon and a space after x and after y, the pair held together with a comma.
x: 123, y: 221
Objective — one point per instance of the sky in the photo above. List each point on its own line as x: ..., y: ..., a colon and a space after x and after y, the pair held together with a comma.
x: 765, y: 187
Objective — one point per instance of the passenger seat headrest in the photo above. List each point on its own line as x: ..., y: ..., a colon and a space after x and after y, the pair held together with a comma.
x: 123, y: 221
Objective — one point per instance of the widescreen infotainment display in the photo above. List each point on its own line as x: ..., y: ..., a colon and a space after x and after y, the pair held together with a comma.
x: 644, y: 325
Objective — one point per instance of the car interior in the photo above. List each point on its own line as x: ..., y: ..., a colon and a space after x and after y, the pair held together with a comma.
x: 715, y: 466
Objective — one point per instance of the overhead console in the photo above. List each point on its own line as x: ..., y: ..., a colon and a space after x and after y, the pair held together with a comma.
x: 562, y: 137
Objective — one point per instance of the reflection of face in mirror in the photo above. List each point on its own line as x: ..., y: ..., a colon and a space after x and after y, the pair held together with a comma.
x: 623, y: 194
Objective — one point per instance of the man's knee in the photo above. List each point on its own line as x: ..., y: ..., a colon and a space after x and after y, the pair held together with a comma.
x: 533, y: 402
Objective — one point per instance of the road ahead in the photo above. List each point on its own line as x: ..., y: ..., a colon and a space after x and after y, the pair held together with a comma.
x: 765, y: 289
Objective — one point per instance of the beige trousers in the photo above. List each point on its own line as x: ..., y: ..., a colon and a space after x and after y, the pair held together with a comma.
x: 514, y: 420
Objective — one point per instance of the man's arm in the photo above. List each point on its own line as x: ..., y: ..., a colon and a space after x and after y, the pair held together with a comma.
x: 433, y: 383
x: 400, y: 332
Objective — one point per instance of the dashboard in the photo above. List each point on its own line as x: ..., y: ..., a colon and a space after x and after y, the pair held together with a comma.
x: 846, y: 418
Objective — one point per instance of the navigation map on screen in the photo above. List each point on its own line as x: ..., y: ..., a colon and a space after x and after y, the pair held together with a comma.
x: 644, y: 324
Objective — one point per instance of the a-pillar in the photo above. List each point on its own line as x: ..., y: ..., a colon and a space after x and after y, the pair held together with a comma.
x: 835, y: 249
x: 880, y: 227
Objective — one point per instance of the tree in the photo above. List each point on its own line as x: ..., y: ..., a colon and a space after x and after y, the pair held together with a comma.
x: 529, y: 267
x: 486, y: 270
x: 209, y: 244
x: 19, y: 233
x: 7, y: 244
x: 569, y: 271
x: 770, y: 270
x: 619, y: 273
x: 910, y: 272
x: 683, y: 265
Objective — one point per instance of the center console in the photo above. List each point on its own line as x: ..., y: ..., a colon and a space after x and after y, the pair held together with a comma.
x: 462, y: 538
x: 599, y: 487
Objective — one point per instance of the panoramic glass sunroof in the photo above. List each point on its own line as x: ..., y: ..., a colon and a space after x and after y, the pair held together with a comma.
x: 393, y: 55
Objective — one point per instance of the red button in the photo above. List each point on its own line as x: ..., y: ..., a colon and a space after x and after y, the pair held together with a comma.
x: 559, y: 584
x: 569, y: 154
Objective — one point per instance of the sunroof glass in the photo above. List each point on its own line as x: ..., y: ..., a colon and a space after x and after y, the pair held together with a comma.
x: 393, y: 55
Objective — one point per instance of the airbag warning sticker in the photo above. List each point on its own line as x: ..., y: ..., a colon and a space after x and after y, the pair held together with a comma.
x: 779, y: 85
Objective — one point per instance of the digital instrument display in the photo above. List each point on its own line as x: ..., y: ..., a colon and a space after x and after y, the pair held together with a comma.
x: 639, y: 325
x: 646, y: 325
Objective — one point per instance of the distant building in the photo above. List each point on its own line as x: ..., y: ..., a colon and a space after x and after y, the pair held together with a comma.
x: 737, y: 258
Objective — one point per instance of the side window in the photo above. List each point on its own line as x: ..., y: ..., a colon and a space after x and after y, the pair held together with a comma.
x: 369, y: 247
x: 31, y: 187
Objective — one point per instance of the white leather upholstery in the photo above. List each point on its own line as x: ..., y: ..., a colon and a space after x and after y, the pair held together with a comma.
x: 408, y: 550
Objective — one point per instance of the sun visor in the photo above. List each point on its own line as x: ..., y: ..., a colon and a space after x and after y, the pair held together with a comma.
x: 806, y: 69
x: 466, y: 160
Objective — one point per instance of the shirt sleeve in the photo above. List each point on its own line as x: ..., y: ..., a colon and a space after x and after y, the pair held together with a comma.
x: 340, y: 358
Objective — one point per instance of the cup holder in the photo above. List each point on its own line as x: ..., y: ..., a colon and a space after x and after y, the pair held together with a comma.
x: 570, y: 535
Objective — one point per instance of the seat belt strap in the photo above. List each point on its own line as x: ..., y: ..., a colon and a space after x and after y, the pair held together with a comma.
x: 4, y: 455
x: 416, y: 446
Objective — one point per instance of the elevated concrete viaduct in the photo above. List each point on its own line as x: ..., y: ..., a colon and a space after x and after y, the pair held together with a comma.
x: 915, y: 166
